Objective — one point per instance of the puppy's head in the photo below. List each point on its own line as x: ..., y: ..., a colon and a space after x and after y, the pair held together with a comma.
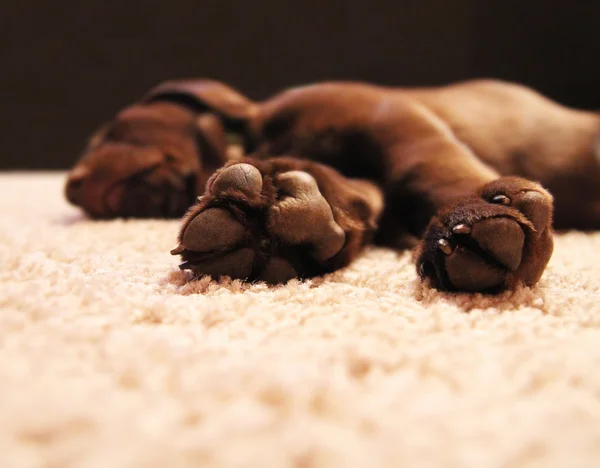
x: 151, y: 161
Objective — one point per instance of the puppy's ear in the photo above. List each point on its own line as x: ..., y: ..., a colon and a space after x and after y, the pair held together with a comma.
x: 207, y: 96
x: 98, y: 137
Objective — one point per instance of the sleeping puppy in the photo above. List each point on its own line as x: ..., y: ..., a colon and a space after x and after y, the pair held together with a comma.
x: 457, y: 171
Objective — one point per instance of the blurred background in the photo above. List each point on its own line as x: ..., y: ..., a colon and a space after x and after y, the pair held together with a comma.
x: 68, y: 66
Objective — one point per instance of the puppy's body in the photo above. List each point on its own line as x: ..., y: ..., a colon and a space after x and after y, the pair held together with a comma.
x: 520, y: 132
x: 381, y: 134
x: 425, y: 163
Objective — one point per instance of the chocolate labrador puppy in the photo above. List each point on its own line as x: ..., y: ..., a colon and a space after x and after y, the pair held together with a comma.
x: 463, y: 172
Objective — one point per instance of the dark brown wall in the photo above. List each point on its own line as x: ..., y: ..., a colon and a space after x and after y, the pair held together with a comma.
x: 552, y: 45
x: 67, y: 66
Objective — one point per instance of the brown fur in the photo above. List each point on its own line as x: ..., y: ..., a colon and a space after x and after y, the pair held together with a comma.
x: 432, y: 155
x: 442, y: 141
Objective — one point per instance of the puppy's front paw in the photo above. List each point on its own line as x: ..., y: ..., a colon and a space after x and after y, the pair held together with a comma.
x: 492, y: 241
x: 258, y: 221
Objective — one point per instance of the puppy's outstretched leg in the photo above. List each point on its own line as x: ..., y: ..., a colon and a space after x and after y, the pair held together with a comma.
x: 486, y: 233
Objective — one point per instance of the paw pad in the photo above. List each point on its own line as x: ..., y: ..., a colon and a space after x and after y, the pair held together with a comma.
x: 242, y: 177
x: 212, y: 229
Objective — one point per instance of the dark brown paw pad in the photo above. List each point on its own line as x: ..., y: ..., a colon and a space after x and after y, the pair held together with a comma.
x: 213, y: 243
x: 478, y: 257
x: 303, y: 216
x: 278, y: 270
x: 240, y: 178
x: 214, y: 229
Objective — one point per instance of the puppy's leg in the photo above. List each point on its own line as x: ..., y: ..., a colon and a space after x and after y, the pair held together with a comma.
x: 488, y: 233
x: 277, y: 219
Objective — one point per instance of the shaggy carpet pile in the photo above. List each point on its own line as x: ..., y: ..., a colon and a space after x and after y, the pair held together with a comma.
x: 110, y: 357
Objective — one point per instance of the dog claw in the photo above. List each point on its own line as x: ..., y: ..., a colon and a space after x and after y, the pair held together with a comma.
x: 501, y: 200
x: 178, y: 250
x: 445, y: 246
x: 461, y: 229
x: 424, y: 269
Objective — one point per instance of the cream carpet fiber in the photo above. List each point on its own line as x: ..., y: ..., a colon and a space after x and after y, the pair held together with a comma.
x: 110, y: 357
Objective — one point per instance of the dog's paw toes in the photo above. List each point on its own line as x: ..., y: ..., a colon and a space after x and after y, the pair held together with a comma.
x: 478, y: 257
x: 238, y: 179
x: 527, y: 197
x: 214, y: 242
x: 214, y: 229
x: 490, y: 243
x: 502, y: 239
x: 302, y: 216
x: 278, y: 270
x: 469, y: 272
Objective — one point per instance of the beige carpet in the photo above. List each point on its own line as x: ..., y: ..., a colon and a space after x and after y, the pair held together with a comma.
x: 110, y: 358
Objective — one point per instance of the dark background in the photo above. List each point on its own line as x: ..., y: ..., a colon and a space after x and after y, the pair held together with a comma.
x: 67, y: 66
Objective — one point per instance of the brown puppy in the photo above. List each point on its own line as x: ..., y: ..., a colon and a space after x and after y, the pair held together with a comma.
x: 429, y: 164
